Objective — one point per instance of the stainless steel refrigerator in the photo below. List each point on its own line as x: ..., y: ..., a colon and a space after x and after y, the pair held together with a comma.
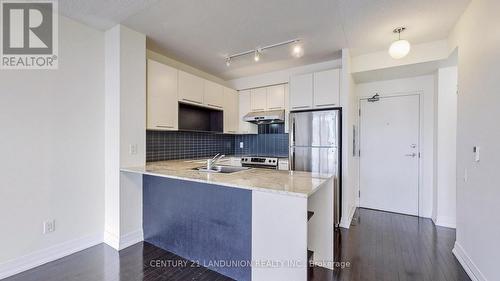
x: 315, y: 143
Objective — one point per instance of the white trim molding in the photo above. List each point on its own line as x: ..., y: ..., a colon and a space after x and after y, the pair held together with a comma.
x: 131, y: 238
x: 468, y: 265
x: 124, y: 241
x: 47, y: 255
x: 444, y: 221
x: 345, y: 221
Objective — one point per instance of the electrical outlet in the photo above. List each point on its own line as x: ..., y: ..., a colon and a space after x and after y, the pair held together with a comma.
x: 132, y: 149
x: 49, y: 226
x: 241, y: 144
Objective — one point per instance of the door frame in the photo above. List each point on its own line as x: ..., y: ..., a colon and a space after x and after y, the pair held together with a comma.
x: 420, y: 178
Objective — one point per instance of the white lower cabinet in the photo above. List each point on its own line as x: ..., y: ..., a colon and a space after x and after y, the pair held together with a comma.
x: 283, y: 164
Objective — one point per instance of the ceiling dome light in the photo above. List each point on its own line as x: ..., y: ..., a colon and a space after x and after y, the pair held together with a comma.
x: 399, y: 48
x: 256, y: 56
x: 297, y: 51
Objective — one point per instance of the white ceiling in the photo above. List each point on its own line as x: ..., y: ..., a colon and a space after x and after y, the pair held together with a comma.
x: 202, y: 32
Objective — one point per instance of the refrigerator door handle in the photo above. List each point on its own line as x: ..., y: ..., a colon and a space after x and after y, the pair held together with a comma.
x: 292, y: 159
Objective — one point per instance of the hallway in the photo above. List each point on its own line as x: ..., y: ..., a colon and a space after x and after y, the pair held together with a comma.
x: 393, y: 247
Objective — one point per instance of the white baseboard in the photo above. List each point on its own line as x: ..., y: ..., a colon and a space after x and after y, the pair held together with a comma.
x: 468, y: 265
x: 345, y: 221
x: 124, y: 241
x: 49, y: 254
x: 444, y: 221
x: 131, y: 238
x: 112, y: 240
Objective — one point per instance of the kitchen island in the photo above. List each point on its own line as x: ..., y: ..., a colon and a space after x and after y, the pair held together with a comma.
x: 248, y: 225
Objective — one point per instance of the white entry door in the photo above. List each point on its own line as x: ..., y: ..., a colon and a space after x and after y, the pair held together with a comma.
x: 389, y: 160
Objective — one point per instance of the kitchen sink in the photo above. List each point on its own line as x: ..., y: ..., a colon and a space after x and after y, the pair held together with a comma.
x: 222, y: 169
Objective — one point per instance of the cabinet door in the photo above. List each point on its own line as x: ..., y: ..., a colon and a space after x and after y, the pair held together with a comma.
x: 231, y: 106
x: 327, y: 88
x: 213, y: 95
x: 287, y: 108
x: 162, y: 104
x: 301, y: 92
x: 276, y: 97
x: 245, y: 107
x: 191, y: 88
x: 258, y: 99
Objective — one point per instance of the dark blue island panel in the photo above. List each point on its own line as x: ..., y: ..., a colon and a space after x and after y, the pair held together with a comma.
x: 207, y: 223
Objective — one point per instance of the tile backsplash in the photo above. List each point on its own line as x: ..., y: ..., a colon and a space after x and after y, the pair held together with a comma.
x: 165, y: 145
x: 169, y: 145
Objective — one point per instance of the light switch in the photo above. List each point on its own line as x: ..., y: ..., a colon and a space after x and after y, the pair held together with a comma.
x: 476, y: 153
x: 132, y: 149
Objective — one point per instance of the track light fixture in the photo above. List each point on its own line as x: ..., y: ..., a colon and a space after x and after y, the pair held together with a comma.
x: 297, y: 51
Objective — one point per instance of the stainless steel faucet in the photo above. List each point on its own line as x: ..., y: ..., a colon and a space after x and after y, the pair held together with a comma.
x: 212, y: 162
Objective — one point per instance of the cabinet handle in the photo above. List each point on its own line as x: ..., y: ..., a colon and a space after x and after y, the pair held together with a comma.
x: 302, y: 106
x: 326, y: 104
x: 164, y: 126
x: 214, y: 105
x: 191, y: 101
x: 279, y: 107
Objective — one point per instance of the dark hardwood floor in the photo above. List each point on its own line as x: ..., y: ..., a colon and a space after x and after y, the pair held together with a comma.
x: 140, y: 262
x: 379, y: 246
x: 385, y: 246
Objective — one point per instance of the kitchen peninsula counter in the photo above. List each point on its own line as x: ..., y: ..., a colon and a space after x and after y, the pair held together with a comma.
x: 293, y: 183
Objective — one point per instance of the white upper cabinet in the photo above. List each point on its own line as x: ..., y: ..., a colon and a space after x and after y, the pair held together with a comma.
x: 301, y: 92
x: 231, y: 116
x: 213, y: 95
x: 287, y: 106
x: 276, y: 97
x: 162, y: 105
x: 327, y: 88
x: 245, y: 107
x: 191, y: 88
x: 315, y: 90
x: 258, y: 99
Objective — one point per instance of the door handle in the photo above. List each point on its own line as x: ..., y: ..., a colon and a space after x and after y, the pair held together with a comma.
x: 411, y: 155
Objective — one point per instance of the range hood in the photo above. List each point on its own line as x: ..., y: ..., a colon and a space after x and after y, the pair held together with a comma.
x: 265, y: 117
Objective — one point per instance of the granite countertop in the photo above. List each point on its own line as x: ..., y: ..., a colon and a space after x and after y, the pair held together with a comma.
x: 294, y: 183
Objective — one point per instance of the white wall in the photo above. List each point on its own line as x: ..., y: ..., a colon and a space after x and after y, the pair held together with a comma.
x: 125, y: 128
x: 425, y: 85
x: 420, y: 53
x: 52, y: 147
x: 281, y: 76
x: 350, y: 162
x: 184, y: 67
x: 444, y: 211
x: 478, y: 197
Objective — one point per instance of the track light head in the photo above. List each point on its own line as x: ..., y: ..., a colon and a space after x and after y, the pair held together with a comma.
x: 257, y: 54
